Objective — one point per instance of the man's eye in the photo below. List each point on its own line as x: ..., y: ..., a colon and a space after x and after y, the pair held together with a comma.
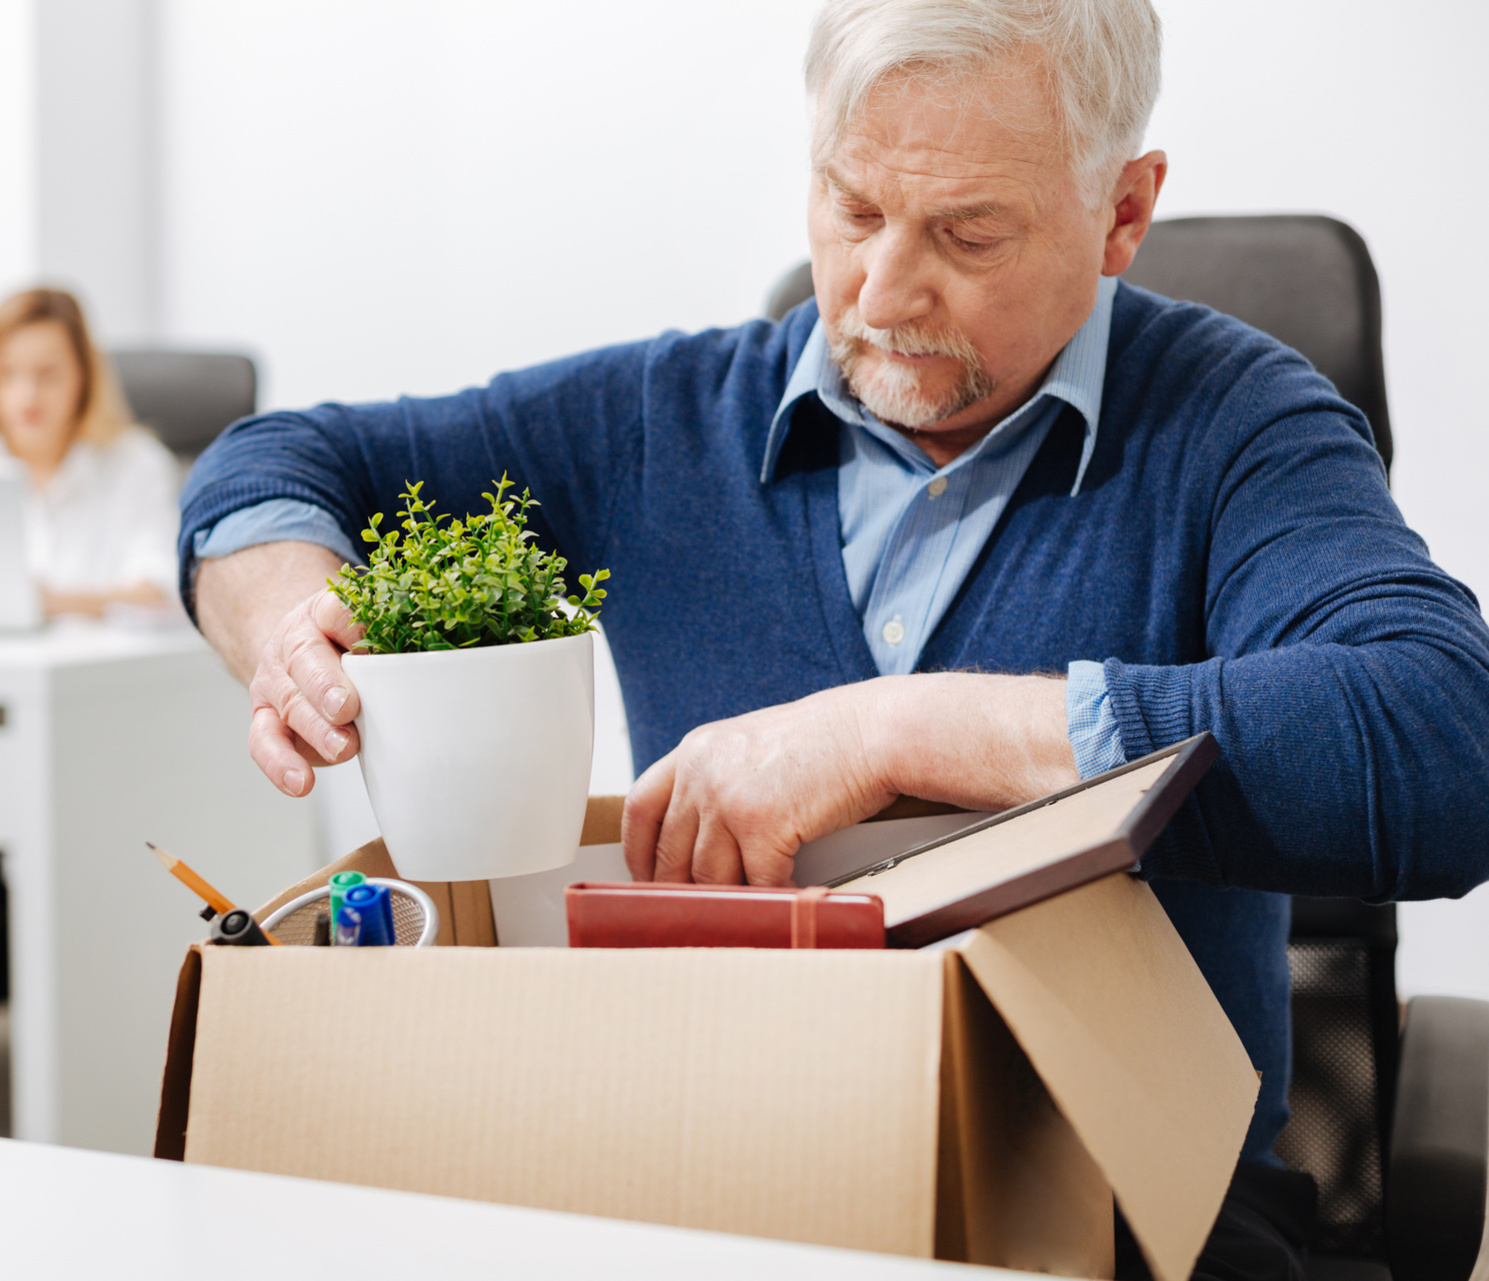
x: 976, y: 247
x: 857, y: 222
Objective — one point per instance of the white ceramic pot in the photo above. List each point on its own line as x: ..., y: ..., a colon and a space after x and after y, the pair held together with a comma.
x: 477, y: 760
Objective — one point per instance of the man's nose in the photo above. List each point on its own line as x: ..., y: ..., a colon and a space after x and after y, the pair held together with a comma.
x: 897, y: 281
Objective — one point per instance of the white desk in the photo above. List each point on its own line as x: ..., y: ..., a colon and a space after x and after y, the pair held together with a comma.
x: 80, y: 1214
x: 111, y: 738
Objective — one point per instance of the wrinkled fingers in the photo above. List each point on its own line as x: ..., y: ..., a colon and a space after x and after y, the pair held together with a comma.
x: 272, y: 746
x: 716, y: 859
x: 675, y: 842
x: 641, y: 819
x: 767, y: 863
x: 313, y: 664
x: 277, y: 691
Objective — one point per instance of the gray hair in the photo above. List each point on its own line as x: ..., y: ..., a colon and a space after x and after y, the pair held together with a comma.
x: 1101, y: 58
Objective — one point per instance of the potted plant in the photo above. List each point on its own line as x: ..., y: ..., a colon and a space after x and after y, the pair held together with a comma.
x: 476, y: 679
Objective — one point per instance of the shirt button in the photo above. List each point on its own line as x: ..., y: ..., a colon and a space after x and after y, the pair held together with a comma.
x: 937, y: 487
x: 894, y: 632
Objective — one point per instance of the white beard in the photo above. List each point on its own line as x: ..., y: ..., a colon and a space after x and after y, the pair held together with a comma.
x: 891, y: 391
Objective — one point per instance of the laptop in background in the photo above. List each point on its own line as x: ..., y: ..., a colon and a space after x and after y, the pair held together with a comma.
x: 20, y: 601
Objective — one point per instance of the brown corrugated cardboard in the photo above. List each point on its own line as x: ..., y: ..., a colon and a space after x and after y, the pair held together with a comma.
x: 981, y: 1101
x: 716, y: 1089
x: 1102, y: 994
x: 1015, y: 1185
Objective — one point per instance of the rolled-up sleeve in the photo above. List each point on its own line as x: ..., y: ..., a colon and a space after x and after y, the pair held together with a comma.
x: 1090, y: 721
x: 277, y: 521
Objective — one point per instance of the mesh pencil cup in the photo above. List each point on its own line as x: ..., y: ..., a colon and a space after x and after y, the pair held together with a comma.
x: 415, y: 918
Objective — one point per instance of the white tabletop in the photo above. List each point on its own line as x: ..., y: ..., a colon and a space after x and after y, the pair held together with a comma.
x: 78, y: 640
x: 70, y: 1213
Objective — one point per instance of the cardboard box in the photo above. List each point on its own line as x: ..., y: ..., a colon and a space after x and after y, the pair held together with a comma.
x: 977, y: 1101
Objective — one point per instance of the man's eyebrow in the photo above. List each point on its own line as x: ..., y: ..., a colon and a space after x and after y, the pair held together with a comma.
x: 836, y: 181
x: 991, y: 209
x: 972, y: 213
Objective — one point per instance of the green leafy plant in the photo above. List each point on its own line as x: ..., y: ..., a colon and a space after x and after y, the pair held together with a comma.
x: 435, y: 583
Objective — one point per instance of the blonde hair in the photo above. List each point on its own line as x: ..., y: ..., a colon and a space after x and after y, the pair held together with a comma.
x: 1101, y: 59
x: 103, y: 414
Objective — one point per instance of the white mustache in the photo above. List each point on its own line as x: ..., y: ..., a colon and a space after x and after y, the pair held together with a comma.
x: 908, y: 340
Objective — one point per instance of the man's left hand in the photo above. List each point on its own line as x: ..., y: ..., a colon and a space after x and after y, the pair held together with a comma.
x: 736, y: 798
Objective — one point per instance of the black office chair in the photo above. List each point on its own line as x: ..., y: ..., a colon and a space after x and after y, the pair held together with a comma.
x: 187, y: 397
x: 1390, y: 1118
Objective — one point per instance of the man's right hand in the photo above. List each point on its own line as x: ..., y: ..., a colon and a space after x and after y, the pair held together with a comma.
x: 301, y: 702
x: 268, y: 613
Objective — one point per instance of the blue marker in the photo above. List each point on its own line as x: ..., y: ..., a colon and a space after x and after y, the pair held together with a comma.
x: 375, y: 906
x: 348, y: 927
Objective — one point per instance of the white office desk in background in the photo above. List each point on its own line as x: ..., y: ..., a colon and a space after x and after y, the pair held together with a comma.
x: 111, y: 738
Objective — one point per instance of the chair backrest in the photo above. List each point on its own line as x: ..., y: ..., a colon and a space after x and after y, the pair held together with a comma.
x: 188, y: 397
x: 1345, y: 1050
x: 791, y: 290
x: 1307, y: 280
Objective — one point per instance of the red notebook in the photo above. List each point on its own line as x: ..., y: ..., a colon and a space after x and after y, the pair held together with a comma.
x: 652, y: 914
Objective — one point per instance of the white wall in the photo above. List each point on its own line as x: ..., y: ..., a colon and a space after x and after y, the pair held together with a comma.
x: 77, y: 148
x: 386, y: 196
x: 18, y: 260
x: 97, y: 181
x: 380, y: 197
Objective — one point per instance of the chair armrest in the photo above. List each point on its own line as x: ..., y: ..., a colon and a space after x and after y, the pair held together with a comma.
x: 1438, y: 1180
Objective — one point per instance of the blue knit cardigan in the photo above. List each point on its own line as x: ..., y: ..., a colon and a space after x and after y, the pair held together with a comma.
x: 1233, y: 556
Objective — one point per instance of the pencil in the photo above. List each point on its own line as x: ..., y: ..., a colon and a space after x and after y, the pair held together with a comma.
x: 215, y: 899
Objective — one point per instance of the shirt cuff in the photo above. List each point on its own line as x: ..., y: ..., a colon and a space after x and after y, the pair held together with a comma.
x: 276, y: 521
x: 1091, y: 721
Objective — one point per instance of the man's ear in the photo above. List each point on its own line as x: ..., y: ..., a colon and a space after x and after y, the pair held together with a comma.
x: 1131, y: 210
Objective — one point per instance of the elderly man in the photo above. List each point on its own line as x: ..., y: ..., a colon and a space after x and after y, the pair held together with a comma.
x: 978, y: 522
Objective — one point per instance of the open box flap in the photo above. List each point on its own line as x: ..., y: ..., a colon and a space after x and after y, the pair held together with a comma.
x: 1016, y: 1187
x: 771, y: 1093
x: 1111, y: 1009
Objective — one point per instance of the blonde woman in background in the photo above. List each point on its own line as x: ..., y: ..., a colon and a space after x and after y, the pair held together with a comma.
x: 101, y: 518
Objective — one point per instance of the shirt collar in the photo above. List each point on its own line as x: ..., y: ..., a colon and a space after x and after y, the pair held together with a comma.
x: 1077, y: 376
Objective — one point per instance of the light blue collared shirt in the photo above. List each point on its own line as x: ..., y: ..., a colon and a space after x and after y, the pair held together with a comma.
x: 910, y: 531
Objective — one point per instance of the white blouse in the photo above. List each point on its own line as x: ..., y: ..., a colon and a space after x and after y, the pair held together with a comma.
x: 107, y: 518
